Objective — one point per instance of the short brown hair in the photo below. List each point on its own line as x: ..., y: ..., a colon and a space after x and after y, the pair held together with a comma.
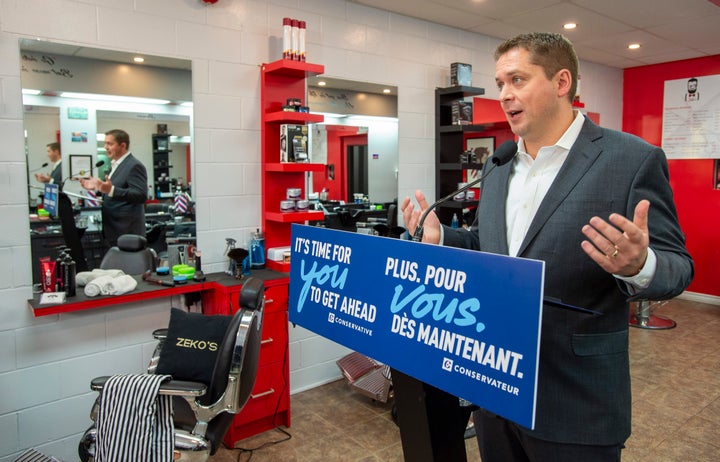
x: 550, y: 51
x: 54, y: 146
x: 121, y: 136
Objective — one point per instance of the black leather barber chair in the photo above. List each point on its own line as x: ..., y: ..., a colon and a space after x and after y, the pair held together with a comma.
x: 203, y: 411
x: 131, y: 254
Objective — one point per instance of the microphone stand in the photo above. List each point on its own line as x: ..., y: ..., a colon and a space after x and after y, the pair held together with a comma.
x: 417, y: 236
x: 502, y: 156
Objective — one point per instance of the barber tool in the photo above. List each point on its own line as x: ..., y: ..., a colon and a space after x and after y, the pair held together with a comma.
x: 231, y: 262
x: 241, y: 262
x: 199, y: 276
x: 146, y: 277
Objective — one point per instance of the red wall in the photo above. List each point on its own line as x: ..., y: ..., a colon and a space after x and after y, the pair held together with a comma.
x: 692, y: 180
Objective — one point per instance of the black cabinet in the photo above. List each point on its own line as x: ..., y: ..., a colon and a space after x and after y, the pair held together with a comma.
x: 162, y: 166
x: 449, y: 145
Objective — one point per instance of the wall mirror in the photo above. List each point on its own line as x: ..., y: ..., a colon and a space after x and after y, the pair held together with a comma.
x: 73, y: 95
x: 358, y: 139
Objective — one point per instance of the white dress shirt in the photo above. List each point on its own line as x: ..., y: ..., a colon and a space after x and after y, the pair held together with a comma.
x: 113, y: 166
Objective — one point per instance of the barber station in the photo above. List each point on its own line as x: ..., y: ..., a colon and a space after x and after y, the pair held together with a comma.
x: 355, y: 231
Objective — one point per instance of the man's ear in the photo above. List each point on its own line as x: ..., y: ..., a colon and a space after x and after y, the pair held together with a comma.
x: 563, y: 80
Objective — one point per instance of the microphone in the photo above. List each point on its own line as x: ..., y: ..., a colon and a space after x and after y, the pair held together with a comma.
x: 502, y: 156
x: 81, y: 173
x: 42, y: 166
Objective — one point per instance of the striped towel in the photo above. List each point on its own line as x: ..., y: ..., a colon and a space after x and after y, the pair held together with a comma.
x: 181, y: 202
x: 133, y: 422
x: 31, y: 455
x: 91, y: 199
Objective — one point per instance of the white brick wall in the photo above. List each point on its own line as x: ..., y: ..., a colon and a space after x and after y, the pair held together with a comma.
x: 46, y: 363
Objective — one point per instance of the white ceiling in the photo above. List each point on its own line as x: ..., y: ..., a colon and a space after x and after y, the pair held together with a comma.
x: 668, y: 30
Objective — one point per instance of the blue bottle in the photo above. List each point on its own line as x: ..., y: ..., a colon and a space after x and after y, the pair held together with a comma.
x: 257, y: 250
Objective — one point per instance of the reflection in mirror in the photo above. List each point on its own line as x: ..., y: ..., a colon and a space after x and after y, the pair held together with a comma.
x: 358, y: 139
x: 358, y: 143
x: 152, y: 102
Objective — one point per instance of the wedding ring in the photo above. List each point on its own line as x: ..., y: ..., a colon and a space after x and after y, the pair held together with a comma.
x: 614, y: 254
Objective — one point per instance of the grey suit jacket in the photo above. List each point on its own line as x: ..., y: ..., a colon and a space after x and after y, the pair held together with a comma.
x: 584, y: 379
x: 56, y: 174
x: 124, y: 213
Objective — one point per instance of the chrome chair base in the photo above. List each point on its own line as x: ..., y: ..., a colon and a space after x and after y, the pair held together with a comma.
x: 644, y: 319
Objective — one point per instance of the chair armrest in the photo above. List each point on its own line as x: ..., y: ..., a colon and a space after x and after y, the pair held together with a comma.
x: 170, y: 387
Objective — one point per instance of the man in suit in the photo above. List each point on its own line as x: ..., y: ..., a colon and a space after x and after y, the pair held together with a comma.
x: 124, y: 190
x: 597, y: 207
x: 55, y: 175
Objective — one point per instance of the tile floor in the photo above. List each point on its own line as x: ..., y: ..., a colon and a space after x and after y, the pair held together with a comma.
x: 676, y: 405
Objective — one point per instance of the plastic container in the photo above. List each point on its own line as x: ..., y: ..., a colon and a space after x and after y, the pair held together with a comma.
x: 257, y: 250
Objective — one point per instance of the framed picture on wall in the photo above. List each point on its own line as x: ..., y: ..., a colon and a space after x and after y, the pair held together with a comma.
x: 80, y: 166
x: 482, y: 148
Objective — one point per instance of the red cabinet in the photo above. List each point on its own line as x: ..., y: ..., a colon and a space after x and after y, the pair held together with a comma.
x: 269, y: 403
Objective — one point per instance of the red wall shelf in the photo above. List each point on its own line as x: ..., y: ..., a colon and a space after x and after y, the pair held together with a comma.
x: 294, y: 167
x: 286, y: 117
x: 295, y: 217
x: 290, y: 68
x: 279, y: 81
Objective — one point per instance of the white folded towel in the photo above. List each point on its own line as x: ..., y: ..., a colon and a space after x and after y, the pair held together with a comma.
x: 84, y: 277
x: 108, y: 285
x: 95, y: 287
x: 119, y: 285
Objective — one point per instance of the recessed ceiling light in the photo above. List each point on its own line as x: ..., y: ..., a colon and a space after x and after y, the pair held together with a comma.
x: 569, y: 26
x: 139, y: 59
x: 634, y: 46
x: 322, y: 83
x: 387, y: 91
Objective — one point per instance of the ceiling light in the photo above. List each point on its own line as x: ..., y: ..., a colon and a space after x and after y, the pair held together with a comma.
x: 27, y: 91
x: 139, y: 59
x: 114, y: 98
x: 387, y: 91
x: 569, y: 26
x: 634, y: 46
x: 321, y: 83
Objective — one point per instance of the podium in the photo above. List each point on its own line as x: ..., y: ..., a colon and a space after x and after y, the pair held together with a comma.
x: 58, y: 203
x: 432, y: 422
x: 450, y: 323
x: 71, y: 234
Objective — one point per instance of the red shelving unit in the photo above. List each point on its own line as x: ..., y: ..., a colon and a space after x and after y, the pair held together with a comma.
x: 281, y: 80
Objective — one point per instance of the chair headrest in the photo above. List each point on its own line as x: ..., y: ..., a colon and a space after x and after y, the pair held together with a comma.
x: 131, y: 242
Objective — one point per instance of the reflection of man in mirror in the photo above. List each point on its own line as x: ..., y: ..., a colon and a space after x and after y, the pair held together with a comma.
x: 692, y: 93
x: 124, y: 190
x: 55, y: 175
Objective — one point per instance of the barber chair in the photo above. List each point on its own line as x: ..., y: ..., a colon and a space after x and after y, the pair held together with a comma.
x: 131, y: 254
x: 644, y: 318
x: 203, y: 412
x: 155, y: 236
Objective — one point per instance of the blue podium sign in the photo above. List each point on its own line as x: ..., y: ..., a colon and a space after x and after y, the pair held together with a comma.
x: 463, y: 321
x: 50, y: 198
